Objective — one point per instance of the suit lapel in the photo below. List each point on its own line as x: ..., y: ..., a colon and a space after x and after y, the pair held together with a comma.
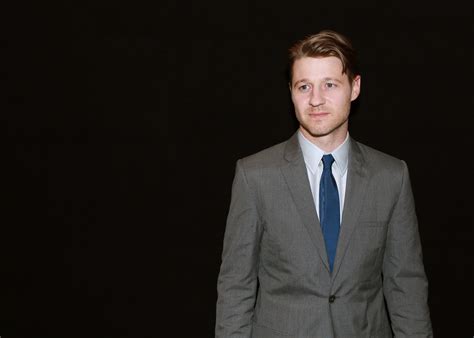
x: 296, y: 176
x: 357, y: 181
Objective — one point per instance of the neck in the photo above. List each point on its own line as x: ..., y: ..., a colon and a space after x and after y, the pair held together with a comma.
x: 328, y: 142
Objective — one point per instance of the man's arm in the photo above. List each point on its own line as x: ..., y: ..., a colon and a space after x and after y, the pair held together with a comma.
x: 237, y: 282
x: 405, y: 284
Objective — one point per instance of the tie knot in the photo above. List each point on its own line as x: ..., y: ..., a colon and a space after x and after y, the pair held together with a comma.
x: 328, y: 161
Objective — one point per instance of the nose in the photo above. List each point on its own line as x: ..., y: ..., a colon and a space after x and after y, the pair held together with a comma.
x: 316, y: 99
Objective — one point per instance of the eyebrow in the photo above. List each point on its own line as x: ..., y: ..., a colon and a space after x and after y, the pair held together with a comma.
x: 324, y: 79
x: 332, y: 79
x: 302, y: 80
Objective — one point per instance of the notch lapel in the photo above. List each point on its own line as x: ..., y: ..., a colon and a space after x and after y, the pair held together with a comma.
x: 357, y: 182
x: 296, y: 176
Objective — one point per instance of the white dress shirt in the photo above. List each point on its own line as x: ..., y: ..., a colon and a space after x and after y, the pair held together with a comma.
x: 314, y: 166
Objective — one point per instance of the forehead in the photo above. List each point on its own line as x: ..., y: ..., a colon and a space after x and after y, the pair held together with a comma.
x: 316, y: 68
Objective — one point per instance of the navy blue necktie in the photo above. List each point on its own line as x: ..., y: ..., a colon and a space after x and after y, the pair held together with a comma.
x: 329, y: 214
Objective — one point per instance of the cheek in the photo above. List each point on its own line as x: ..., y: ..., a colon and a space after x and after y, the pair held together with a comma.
x: 342, y: 99
x: 298, y: 101
x: 301, y: 98
x: 293, y: 99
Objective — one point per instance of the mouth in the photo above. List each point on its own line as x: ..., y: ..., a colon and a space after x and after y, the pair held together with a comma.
x: 318, y: 114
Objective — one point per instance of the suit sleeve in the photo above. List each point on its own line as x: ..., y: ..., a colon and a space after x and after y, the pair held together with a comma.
x: 237, y: 281
x: 405, y: 283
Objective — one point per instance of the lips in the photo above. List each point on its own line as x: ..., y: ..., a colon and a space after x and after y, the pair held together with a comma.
x: 318, y: 114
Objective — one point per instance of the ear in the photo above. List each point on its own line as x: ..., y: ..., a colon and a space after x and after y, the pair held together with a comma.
x: 289, y: 86
x: 355, y: 88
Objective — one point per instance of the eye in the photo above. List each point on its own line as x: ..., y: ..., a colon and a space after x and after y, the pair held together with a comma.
x: 304, y: 88
x: 330, y: 85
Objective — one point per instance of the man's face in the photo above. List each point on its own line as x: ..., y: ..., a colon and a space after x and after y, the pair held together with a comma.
x: 322, y: 96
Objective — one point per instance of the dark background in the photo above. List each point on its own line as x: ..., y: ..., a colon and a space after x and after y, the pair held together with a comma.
x: 121, y: 127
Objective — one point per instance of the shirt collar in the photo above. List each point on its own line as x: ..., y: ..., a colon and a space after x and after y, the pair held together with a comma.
x: 313, y: 154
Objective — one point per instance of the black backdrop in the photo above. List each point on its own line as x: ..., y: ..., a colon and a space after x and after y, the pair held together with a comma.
x: 121, y: 127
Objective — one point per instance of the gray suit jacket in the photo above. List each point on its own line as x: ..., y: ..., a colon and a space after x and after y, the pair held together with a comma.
x: 274, y: 279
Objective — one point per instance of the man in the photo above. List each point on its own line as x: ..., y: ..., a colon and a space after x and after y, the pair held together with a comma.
x: 322, y: 230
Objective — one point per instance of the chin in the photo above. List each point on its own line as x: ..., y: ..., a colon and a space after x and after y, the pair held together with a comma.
x: 320, y: 134
x: 317, y: 132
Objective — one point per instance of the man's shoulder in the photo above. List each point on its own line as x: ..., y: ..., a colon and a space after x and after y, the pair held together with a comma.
x: 266, y: 158
x: 379, y: 160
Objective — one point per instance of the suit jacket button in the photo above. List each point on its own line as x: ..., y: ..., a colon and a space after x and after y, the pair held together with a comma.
x: 332, y: 298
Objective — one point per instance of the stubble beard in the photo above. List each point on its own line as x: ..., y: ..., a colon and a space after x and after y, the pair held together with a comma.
x: 323, y: 130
